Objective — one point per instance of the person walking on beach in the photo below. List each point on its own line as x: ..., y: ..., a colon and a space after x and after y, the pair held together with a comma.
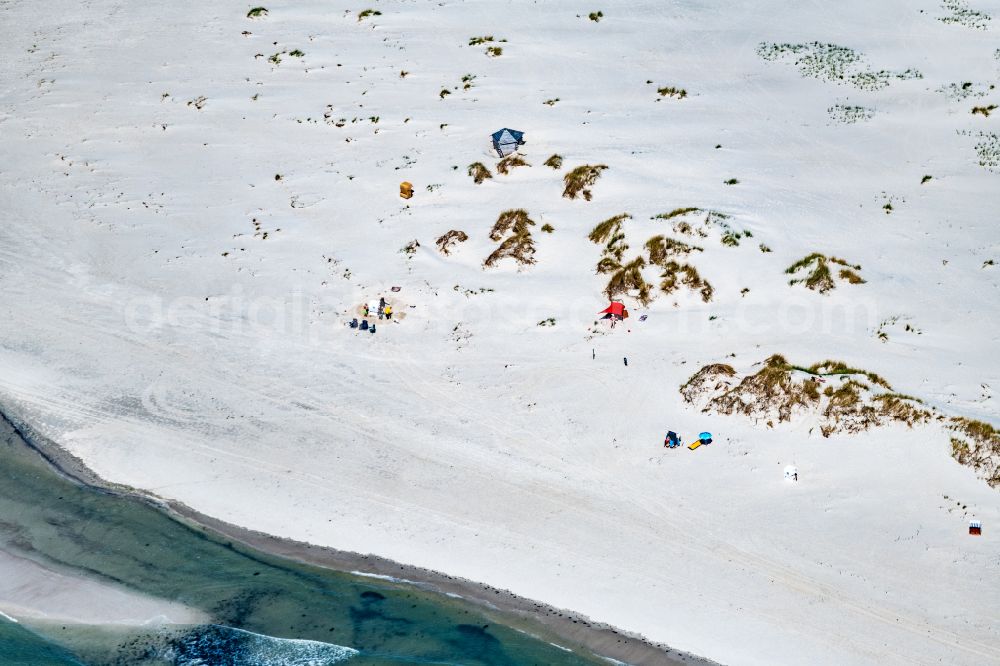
x: 388, y: 312
x: 365, y: 310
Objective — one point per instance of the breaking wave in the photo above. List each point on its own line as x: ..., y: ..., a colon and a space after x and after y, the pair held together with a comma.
x: 215, y: 645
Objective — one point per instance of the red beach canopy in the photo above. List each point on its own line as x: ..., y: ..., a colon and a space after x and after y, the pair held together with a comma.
x: 617, y: 309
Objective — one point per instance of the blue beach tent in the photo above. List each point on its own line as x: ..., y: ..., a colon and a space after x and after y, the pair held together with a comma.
x: 506, y: 141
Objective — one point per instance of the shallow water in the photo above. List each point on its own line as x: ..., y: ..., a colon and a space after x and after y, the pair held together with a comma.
x: 253, y: 599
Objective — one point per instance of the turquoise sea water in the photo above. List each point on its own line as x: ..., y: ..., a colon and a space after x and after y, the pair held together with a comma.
x: 263, y: 610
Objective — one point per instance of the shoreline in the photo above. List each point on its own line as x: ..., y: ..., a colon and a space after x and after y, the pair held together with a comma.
x: 600, y: 639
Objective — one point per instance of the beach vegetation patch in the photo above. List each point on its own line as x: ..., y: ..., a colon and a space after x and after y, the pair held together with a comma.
x: 976, y: 444
x: 661, y: 248
x: 676, y: 212
x: 626, y: 277
x: 579, y: 181
x: 834, y: 63
x: 840, y: 397
x: 959, y: 13
x: 818, y: 274
x: 672, y: 91
x: 519, y: 245
x: 510, y: 162
x: 479, y: 172
x: 849, y: 114
x: 446, y: 241
x: 676, y: 274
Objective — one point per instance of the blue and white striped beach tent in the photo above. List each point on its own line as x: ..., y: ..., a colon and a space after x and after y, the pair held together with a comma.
x: 506, y: 141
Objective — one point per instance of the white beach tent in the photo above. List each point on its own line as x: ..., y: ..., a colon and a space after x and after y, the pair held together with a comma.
x: 506, y: 141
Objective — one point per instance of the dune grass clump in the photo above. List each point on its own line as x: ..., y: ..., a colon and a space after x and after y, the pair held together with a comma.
x: 628, y: 280
x: 476, y: 41
x: 661, y: 248
x: 554, y: 162
x: 579, y: 181
x: 515, y: 221
x: 362, y: 15
x: 672, y: 91
x: 257, y: 12
x: 709, y: 379
x: 494, y: 51
x: 771, y: 391
x: 626, y: 276
x: 296, y: 53
x: 479, y: 172
x: 609, y: 227
x: 731, y: 238
x: 447, y: 240
x: 511, y: 161
x: 548, y: 228
x: 820, y: 277
x: 610, y: 233
x: 595, y: 16
x: 977, y: 445
x: 519, y: 244
x: 714, y: 219
x: 676, y: 274
x: 902, y: 408
x: 676, y: 212
x: 984, y: 111
x: 832, y: 368
x: 777, y: 392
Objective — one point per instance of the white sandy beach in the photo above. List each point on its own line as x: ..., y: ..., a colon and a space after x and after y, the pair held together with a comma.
x: 151, y: 328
